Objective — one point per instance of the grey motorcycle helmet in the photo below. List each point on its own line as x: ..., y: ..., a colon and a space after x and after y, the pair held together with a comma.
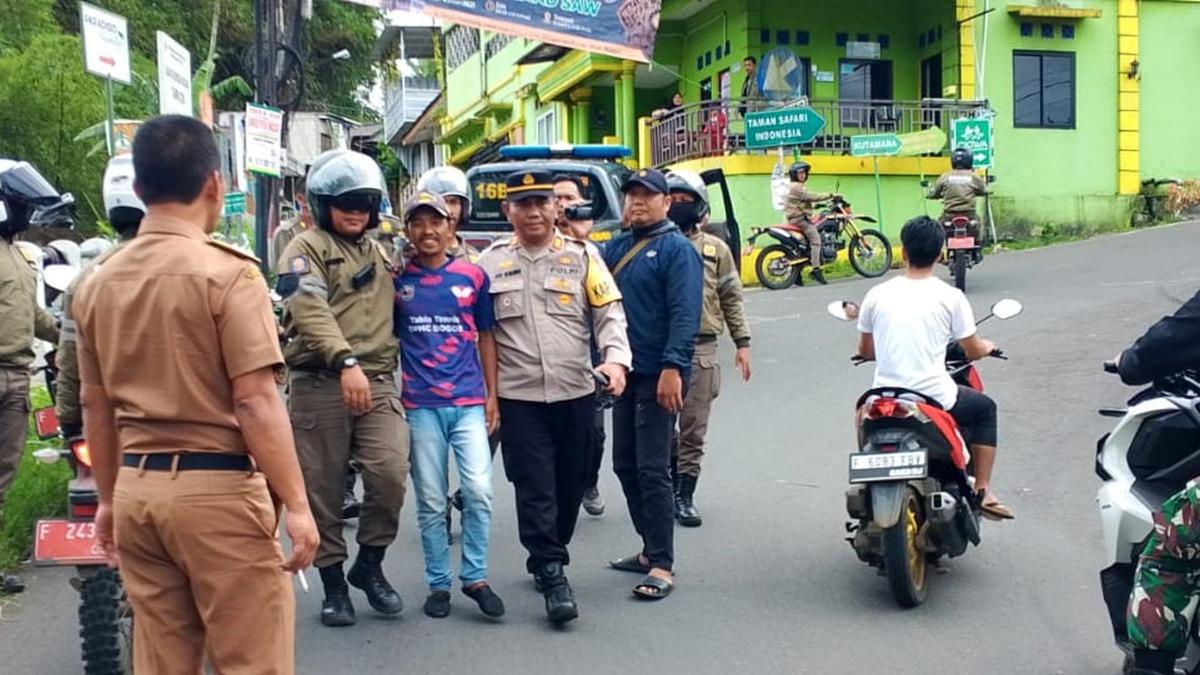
x: 342, y: 173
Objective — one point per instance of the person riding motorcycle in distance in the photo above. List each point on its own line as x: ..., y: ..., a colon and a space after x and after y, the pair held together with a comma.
x: 798, y: 209
x: 1167, y: 580
x: 959, y: 187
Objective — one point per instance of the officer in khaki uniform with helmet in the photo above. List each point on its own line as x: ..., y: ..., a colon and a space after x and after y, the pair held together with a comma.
x: 22, y: 190
x: 191, y: 447
x: 336, y: 281
x: 550, y: 295
x: 723, y: 305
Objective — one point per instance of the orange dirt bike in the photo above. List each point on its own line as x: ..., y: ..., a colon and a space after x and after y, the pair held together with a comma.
x: 779, y: 264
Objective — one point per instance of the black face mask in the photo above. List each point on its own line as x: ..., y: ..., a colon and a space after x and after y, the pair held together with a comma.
x: 685, y: 214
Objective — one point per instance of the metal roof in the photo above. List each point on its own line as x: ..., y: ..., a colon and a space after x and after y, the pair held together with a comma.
x: 418, y: 41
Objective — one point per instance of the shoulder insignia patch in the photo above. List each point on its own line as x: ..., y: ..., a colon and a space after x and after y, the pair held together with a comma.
x: 710, y: 249
x: 233, y: 249
x: 299, y: 265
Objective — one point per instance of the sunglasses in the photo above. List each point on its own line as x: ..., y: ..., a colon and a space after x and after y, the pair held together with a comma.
x: 360, y: 203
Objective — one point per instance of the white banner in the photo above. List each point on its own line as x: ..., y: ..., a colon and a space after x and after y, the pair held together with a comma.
x: 264, y: 149
x: 174, y: 77
x: 105, y: 43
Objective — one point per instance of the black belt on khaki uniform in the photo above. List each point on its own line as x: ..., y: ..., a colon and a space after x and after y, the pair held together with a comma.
x: 705, y: 339
x: 188, y: 461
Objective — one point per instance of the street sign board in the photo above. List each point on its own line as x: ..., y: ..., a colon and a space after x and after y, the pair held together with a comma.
x: 874, y: 145
x: 975, y: 134
x: 924, y: 142
x: 174, y: 77
x: 782, y: 126
x: 264, y: 151
x: 235, y: 203
x: 105, y: 43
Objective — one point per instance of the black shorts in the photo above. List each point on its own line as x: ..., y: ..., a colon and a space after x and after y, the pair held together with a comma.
x: 975, y: 413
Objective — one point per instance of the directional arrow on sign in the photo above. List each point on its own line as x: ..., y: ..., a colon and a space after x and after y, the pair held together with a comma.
x: 924, y: 142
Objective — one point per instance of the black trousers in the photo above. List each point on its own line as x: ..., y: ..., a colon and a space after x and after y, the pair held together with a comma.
x: 547, y: 450
x: 642, y: 461
x: 598, y: 439
x: 975, y: 413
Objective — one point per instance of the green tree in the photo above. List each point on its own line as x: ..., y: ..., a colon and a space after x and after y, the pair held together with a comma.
x: 24, y: 19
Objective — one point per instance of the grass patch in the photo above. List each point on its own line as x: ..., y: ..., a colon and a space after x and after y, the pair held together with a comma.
x: 39, y: 492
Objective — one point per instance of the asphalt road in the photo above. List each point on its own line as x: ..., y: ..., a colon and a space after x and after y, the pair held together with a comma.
x: 768, y: 584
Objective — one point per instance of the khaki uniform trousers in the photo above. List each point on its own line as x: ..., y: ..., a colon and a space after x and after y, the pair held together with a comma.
x: 202, y: 567
x: 14, y: 423
x: 704, y: 386
x: 328, y: 436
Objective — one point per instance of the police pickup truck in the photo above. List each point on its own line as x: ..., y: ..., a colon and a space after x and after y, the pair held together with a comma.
x: 597, y: 167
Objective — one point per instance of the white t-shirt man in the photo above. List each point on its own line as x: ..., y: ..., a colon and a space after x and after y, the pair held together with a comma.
x: 911, y: 322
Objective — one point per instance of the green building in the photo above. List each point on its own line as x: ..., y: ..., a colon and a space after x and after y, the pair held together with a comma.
x: 1084, y: 107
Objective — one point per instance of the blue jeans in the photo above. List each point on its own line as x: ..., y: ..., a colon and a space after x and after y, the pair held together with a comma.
x: 434, y: 432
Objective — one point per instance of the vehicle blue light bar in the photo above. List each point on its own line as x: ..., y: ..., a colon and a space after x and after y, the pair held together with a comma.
x: 565, y: 151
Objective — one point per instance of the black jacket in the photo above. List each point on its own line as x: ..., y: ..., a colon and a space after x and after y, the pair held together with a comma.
x: 1171, y: 345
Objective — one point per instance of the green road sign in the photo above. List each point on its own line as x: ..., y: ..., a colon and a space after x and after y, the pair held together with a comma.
x: 877, y: 145
x: 975, y: 134
x: 924, y: 142
x: 785, y: 126
x: 235, y: 203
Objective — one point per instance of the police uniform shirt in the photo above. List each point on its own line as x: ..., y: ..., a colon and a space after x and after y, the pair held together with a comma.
x: 164, y: 326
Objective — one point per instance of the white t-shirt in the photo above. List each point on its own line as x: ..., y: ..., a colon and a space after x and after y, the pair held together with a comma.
x: 912, y: 321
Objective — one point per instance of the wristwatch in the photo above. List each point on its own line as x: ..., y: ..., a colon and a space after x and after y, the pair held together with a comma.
x: 348, y: 362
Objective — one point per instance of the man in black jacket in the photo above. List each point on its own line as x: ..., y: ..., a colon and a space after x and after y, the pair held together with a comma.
x: 1168, y: 347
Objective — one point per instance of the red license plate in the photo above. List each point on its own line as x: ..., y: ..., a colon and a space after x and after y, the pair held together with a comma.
x: 955, y: 243
x: 47, y: 422
x: 67, y: 542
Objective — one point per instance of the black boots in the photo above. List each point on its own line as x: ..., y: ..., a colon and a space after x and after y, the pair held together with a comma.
x: 336, y: 610
x: 818, y: 276
x: 367, y: 576
x: 685, y: 511
x: 560, y: 599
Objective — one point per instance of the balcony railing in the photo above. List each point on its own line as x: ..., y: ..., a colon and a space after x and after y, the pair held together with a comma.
x: 404, y: 101
x: 713, y: 129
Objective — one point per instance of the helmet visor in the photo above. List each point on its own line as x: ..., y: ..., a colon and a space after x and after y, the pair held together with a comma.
x: 361, y: 201
x: 24, y: 181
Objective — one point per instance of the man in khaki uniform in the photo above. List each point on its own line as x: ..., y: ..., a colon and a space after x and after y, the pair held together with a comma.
x: 177, y: 348
x: 959, y: 187
x: 336, y: 282
x: 798, y: 209
x: 125, y: 212
x: 285, y: 233
x: 550, y: 296
x: 22, y: 190
x: 723, y: 304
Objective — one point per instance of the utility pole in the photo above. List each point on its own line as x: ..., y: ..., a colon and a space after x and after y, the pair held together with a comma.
x: 266, y: 211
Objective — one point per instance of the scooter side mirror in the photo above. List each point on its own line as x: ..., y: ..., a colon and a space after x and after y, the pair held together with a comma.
x: 925, y: 183
x: 842, y: 310
x: 1006, y: 308
x: 991, y: 178
x: 59, y: 277
x: 47, y: 455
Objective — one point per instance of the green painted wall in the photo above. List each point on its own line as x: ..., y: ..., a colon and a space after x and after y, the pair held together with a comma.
x: 1170, y: 89
x: 1063, y: 177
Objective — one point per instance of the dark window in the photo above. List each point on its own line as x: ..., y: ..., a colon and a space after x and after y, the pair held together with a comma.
x: 700, y: 62
x: 708, y: 58
x: 783, y: 37
x: 1047, y: 30
x: 862, y: 37
x: 1068, y: 32
x: 728, y: 47
x: 1044, y: 90
x: 719, y: 47
x: 885, y: 41
x: 841, y: 39
x: 1026, y: 29
x: 764, y: 36
x: 801, y: 37
x: 921, y: 41
x: 931, y: 36
x: 939, y: 32
x: 706, y: 92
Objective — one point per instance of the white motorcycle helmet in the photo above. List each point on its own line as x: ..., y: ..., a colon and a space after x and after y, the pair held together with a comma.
x: 122, y: 205
x: 93, y: 248
x: 68, y: 251
x: 447, y: 181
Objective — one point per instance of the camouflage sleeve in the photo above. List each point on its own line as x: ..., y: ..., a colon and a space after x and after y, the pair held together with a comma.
x: 733, y: 305
x: 1165, y: 584
x: 66, y: 401
x: 303, y: 276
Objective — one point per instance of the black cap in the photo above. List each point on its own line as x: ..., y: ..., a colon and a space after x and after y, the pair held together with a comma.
x: 530, y: 184
x: 651, y: 179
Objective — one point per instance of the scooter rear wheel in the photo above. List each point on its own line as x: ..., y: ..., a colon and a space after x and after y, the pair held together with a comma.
x: 904, y: 561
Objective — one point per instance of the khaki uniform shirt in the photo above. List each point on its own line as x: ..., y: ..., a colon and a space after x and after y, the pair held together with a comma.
x: 164, y: 326
x: 66, y: 400
x: 723, y: 303
x: 326, y: 318
x: 548, y: 305
x: 798, y: 206
x: 958, y: 189
x: 284, y: 235
x: 22, y: 318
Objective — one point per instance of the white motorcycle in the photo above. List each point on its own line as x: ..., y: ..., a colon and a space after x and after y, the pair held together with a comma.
x: 1151, y: 454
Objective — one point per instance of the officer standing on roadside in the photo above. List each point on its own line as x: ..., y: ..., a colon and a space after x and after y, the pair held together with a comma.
x: 189, y: 438
x: 723, y: 305
x: 336, y: 282
x: 125, y: 211
x: 550, y: 295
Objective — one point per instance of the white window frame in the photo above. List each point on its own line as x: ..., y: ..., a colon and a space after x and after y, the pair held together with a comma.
x: 547, y: 127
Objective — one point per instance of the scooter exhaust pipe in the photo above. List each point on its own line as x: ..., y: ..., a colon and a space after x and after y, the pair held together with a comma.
x: 942, y: 506
x: 944, y: 520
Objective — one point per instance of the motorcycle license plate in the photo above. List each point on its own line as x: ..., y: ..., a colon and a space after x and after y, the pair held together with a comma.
x: 67, y: 542
x: 960, y: 242
x: 867, y: 467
